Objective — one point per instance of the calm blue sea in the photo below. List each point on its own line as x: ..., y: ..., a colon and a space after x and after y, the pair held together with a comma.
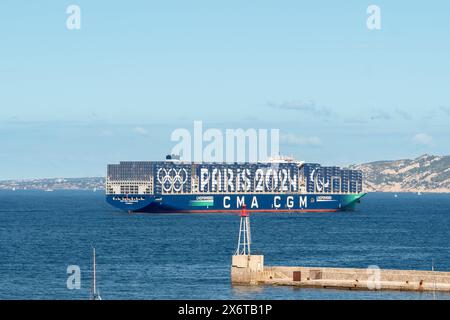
x: 178, y: 256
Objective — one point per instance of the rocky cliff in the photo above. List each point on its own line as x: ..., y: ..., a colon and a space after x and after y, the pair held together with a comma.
x: 425, y: 174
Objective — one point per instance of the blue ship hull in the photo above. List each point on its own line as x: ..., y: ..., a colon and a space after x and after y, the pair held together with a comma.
x: 218, y: 203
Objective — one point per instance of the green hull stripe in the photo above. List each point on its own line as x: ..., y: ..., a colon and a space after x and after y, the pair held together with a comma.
x: 201, y: 203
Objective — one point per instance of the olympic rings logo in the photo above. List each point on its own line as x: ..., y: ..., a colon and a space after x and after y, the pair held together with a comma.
x: 172, y: 179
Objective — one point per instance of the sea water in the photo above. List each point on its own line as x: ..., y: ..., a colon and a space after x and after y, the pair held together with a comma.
x: 188, y: 256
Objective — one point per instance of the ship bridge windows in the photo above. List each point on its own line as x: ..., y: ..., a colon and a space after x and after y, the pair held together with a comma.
x: 129, y: 189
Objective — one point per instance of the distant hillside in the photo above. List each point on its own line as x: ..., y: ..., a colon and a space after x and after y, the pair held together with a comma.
x: 95, y: 183
x: 425, y: 173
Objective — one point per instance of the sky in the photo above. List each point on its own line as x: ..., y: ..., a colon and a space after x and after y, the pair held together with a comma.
x: 72, y: 101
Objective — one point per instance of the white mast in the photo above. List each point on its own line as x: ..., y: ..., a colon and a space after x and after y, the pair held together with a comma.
x: 95, y: 295
x: 94, y: 286
x: 244, y: 240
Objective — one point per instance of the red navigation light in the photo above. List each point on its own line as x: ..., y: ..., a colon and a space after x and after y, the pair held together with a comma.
x: 244, y: 212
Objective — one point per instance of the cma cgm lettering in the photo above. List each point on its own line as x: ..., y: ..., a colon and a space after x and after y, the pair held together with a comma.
x: 278, y: 185
x: 277, y: 202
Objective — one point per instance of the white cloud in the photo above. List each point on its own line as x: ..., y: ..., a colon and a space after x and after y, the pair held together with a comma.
x: 298, y: 105
x: 295, y: 105
x: 424, y: 139
x: 404, y: 114
x: 445, y: 109
x: 293, y: 139
x: 140, y: 131
x: 379, y: 114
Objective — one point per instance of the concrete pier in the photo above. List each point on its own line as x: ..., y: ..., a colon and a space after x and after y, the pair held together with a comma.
x: 250, y: 270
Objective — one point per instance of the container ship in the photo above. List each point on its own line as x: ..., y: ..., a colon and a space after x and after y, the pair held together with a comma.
x: 281, y: 184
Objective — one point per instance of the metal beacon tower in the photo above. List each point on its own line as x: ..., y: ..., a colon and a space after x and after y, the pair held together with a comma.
x: 244, y: 265
x: 244, y: 240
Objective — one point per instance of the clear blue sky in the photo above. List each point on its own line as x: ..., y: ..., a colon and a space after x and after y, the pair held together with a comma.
x: 72, y: 101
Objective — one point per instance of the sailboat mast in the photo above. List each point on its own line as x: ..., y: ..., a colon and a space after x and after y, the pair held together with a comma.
x: 93, y: 277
